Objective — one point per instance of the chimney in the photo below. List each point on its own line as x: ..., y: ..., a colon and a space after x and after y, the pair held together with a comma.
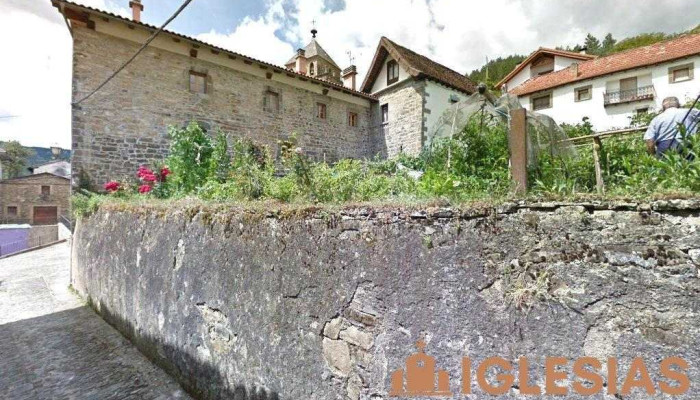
x: 349, y: 75
x: 574, y: 66
x: 300, y: 66
x: 136, y: 8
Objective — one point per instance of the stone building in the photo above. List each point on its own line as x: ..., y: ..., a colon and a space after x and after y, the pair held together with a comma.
x: 35, y: 199
x: 177, y: 79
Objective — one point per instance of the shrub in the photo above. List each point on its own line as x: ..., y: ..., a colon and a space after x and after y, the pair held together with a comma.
x: 189, y: 160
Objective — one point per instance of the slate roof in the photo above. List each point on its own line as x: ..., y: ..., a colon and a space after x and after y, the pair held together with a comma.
x: 314, y: 49
x: 544, y: 51
x: 669, y: 50
x: 417, y: 65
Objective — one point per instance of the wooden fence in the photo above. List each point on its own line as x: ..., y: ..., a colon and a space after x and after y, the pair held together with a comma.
x: 517, y: 141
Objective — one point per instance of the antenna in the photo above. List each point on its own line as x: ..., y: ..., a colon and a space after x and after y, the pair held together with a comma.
x: 350, y: 57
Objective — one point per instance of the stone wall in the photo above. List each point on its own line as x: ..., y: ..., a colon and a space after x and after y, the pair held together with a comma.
x: 25, y: 194
x: 404, y: 132
x: 321, y: 305
x: 125, y: 123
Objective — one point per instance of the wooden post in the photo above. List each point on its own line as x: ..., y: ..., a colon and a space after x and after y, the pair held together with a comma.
x: 517, y: 141
x: 597, y: 147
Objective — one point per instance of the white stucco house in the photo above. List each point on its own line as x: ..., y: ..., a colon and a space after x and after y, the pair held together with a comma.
x: 608, y: 90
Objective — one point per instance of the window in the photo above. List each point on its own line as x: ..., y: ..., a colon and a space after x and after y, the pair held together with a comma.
x: 198, y: 82
x: 583, y: 93
x: 680, y: 73
x: 392, y: 72
x: 385, y: 113
x: 542, y: 101
x: 320, y: 111
x: 11, y: 211
x: 311, y: 69
x: 642, y: 111
x: 271, y: 101
x: 45, y: 190
x: 352, y: 119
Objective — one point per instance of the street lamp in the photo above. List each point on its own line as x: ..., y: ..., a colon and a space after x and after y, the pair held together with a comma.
x: 56, y: 151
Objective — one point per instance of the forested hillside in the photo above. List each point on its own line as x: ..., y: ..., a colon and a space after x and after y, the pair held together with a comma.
x: 495, y: 70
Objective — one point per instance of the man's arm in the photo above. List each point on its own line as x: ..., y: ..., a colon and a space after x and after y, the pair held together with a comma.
x: 650, y: 137
x: 651, y: 146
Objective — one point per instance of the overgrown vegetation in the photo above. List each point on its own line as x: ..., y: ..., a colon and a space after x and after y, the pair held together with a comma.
x: 474, y: 165
x: 14, y: 159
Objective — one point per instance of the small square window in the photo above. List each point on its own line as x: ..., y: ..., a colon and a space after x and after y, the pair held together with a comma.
x: 583, y: 93
x: 271, y: 101
x: 680, y: 75
x: 541, y: 102
x: 352, y: 119
x: 45, y: 190
x: 198, y: 82
x: 320, y: 111
x: 642, y: 111
x: 11, y: 211
x: 392, y: 72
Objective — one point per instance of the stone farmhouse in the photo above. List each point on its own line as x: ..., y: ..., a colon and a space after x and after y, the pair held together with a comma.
x: 38, y: 199
x: 177, y: 79
x: 608, y: 90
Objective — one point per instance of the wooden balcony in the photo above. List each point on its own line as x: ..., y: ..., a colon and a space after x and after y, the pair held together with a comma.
x: 629, y: 96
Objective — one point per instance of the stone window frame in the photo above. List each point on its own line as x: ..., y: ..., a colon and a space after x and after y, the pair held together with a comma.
x: 356, y: 122
x: 392, y: 66
x: 382, y: 108
x: 48, y: 191
x: 321, y: 111
x: 672, y: 70
x: 548, y: 94
x: 577, y: 97
x: 208, y: 81
x: 268, y: 91
x: 7, y: 211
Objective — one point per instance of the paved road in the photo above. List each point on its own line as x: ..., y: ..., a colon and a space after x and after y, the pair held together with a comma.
x: 52, y: 346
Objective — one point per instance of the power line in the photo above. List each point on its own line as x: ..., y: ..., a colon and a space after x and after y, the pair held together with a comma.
x: 150, y: 39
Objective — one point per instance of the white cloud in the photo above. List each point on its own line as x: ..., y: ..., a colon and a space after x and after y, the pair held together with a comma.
x: 36, y: 79
x: 255, y: 37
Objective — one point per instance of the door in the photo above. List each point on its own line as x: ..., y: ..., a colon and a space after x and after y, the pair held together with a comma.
x: 628, y: 88
x: 45, y: 215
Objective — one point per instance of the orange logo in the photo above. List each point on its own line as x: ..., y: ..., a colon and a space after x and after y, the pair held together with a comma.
x: 420, y: 377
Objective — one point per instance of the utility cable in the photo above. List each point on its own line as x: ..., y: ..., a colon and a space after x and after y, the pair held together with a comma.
x: 150, y: 39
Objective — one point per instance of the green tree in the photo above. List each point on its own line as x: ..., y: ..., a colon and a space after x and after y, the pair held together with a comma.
x: 190, y: 155
x: 608, y: 43
x: 497, y: 69
x: 220, y: 159
x: 15, y: 159
x: 592, y: 44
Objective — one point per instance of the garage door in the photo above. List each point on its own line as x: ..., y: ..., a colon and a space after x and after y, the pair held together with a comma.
x: 45, y: 215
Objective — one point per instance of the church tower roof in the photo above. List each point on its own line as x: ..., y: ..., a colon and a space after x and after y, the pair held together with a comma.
x: 314, y: 49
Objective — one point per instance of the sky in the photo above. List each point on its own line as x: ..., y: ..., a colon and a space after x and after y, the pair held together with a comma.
x: 36, y: 91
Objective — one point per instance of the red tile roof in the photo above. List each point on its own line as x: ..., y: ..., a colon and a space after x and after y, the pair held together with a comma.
x: 669, y: 50
x: 544, y: 51
x: 151, y: 28
x: 416, y: 65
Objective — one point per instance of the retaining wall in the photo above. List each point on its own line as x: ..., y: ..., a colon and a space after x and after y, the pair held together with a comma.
x: 329, y: 304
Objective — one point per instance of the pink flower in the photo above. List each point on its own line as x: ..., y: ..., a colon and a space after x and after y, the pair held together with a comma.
x: 143, y: 189
x: 112, y: 186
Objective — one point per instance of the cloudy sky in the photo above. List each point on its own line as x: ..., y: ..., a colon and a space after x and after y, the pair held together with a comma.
x: 35, y: 95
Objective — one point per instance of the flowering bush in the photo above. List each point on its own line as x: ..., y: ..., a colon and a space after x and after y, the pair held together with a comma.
x: 149, y: 181
x: 112, y: 186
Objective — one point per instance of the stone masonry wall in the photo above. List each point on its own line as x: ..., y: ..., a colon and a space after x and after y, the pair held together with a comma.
x: 405, y: 128
x: 322, y: 305
x: 124, y: 124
